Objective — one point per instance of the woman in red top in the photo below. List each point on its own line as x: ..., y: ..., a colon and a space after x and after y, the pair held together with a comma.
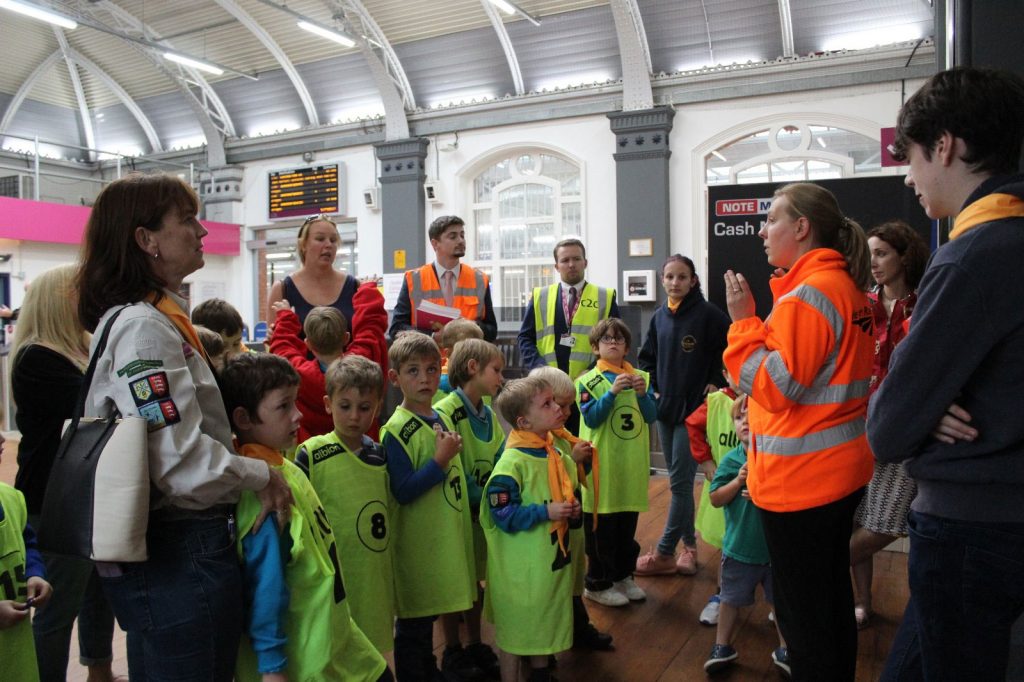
x: 898, y: 259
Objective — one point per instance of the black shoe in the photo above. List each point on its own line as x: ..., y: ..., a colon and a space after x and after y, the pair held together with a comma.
x: 485, y: 659
x: 458, y: 666
x: 590, y: 637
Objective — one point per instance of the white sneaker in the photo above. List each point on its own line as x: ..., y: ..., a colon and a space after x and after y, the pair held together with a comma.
x: 609, y: 597
x: 628, y: 587
x: 709, y: 616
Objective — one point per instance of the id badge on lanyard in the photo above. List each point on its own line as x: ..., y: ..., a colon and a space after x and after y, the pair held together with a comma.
x: 567, y: 339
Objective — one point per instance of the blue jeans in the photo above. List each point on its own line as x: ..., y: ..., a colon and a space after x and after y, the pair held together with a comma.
x: 81, y: 596
x: 966, y: 591
x: 182, y: 609
x: 675, y: 442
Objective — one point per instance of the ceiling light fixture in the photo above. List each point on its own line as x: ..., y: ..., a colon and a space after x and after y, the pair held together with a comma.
x: 37, y: 12
x: 339, y: 38
x: 194, y: 63
x: 510, y: 8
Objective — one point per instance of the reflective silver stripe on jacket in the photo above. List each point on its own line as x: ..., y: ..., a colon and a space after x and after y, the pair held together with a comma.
x: 812, y: 442
x: 578, y: 353
x: 820, y: 392
x: 546, y: 330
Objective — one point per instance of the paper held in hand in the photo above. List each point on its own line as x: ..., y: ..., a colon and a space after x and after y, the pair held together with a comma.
x: 431, y: 316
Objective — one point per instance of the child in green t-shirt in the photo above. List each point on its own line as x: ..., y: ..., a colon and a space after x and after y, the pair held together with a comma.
x: 474, y: 372
x: 616, y: 405
x: 529, y: 503
x: 433, y: 533
x: 348, y: 473
x: 298, y: 624
x: 745, y: 560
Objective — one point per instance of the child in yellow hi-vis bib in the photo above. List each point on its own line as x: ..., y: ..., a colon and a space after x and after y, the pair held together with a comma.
x: 529, y: 502
x: 298, y: 624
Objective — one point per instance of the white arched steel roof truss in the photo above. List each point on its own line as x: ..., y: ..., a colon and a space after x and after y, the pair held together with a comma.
x: 76, y: 84
x: 385, y: 69
x: 210, y: 111
x: 635, y: 55
x: 506, y: 45
x: 273, y: 48
x: 786, y: 24
x: 25, y: 88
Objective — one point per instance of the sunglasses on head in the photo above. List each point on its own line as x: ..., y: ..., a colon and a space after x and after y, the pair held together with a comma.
x: 315, y: 218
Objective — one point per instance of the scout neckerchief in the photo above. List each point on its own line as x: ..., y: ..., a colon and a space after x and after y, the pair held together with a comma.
x: 180, y: 320
x: 605, y: 366
x: 992, y: 207
x: 271, y: 456
x: 567, y: 436
x: 558, y: 478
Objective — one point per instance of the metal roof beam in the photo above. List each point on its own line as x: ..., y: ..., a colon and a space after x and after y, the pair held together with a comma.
x: 25, y: 88
x: 76, y: 84
x: 254, y: 27
x: 635, y: 55
x: 506, y: 45
x: 786, y: 25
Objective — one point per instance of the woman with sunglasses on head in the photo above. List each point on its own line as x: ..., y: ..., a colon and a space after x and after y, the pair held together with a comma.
x: 316, y: 282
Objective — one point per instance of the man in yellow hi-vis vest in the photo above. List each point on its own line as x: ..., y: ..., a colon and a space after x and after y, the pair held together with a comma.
x: 558, y: 319
x: 447, y: 282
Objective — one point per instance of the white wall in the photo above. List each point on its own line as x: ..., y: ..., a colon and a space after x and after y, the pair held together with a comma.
x: 697, y: 129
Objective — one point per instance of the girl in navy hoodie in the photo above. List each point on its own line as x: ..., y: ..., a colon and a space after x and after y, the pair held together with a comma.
x: 683, y: 353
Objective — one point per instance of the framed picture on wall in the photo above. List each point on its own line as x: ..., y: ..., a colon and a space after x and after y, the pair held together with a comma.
x: 638, y: 286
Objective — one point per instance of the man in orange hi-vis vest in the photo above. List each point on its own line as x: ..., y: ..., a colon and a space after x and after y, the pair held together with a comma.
x: 445, y: 282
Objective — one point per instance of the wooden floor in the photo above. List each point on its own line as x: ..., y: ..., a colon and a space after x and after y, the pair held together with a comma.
x: 661, y: 639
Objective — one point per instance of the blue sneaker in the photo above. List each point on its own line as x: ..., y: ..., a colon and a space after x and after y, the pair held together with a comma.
x: 722, y: 656
x: 780, y: 657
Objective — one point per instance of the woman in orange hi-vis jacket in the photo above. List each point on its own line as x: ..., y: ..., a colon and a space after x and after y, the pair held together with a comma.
x: 807, y: 369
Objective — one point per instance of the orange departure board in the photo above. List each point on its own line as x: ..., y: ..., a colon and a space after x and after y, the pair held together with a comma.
x: 307, y: 191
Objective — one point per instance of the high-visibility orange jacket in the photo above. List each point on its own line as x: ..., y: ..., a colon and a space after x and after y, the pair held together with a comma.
x: 806, y: 369
x: 470, y: 291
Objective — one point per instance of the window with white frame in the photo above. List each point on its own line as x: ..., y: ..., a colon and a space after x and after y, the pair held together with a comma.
x: 791, y: 153
x: 523, y: 204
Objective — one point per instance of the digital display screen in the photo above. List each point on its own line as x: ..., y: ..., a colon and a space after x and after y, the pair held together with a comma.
x: 299, y: 192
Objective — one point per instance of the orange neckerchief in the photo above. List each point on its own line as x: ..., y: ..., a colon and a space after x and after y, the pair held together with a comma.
x: 673, y: 306
x: 558, y: 478
x: 992, y: 207
x: 626, y: 368
x: 179, y: 319
x: 567, y: 436
x: 261, y: 452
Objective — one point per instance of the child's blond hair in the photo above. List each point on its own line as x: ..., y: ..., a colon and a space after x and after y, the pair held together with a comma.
x: 457, y: 330
x: 559, y: 381
x: 325, y: 328
x: 739, y: 406
x: 470, y: 349
x: 354, y: 371
x: 514, y: 400
x: 410, y: 345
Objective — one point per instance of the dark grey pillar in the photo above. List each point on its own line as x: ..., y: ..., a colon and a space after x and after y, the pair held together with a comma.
x: 642, y: 196
x: 403, y: 207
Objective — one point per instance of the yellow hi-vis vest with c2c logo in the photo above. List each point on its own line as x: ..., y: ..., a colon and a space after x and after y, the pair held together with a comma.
x: 359, y: 504
x: 324, y: 643
x: 17, y: 647
x: 433, y: 534
x: 595, y: 305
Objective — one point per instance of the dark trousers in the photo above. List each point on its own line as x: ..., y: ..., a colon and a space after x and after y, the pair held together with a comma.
x: 966, y: 591
x: 611, y: 549
x: 414, y: 649
x: 810, y: 554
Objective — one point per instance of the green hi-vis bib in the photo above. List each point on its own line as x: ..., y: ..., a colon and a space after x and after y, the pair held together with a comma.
x: 17, y: 647
x: 359, y: 504
x: 433, y: 535
x: 529, y: 580
x: 477, y: 460
x: 595, y: 305
x: 324, y: 643
x: 577, y: 537
x: 623, y: 445
x: 710, y: 520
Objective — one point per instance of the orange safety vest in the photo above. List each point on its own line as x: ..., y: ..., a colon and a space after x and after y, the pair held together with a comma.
x: 807, y: 369
x: 470, y: 291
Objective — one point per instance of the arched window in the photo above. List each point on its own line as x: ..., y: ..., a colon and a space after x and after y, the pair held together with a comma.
x: 523, y: 204
x: 793, y: 152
